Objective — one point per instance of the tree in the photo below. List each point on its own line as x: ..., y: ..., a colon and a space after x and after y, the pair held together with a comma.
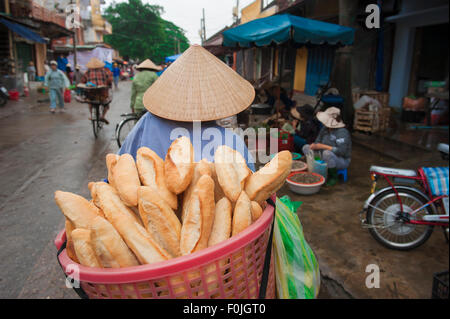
x: 140, y: 33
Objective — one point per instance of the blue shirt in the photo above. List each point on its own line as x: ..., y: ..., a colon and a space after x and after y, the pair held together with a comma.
x: 62, y: 64
x: 116, y: 71
x: 157, y: 134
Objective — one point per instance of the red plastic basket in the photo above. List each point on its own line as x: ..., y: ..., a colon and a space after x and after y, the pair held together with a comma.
x: 229, y: 270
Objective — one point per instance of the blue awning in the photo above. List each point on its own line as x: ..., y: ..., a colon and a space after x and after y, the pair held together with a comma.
x: 172, y: 58
x: 282, y: 28
x: 23, y: 31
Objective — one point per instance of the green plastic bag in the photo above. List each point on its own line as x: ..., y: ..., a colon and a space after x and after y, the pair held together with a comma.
x: 296, y: 267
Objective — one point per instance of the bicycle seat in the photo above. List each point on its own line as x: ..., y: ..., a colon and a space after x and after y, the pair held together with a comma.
x: 393, y: 171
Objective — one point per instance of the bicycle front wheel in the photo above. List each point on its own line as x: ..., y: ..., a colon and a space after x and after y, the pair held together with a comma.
x: 124, y: 129
x: 389, y: 226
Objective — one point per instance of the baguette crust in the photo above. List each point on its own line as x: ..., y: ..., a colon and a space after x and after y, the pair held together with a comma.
x: 201, y: 168
x: 160, y: 220
x: 69, y: 246
x: 179, y: 165
x: 84, y: 249
x: 231, y: 170
x: 111, y: 161
x: 256, y: 211
x: 110, y: 248
x: 199, y: 217
x: 218, y: 191
x: 126, y: 179
x: 151, y: 172
x: 136, y: 237
x: 76, y: 209
x: 221, y: 229
x: 242, y: 216
x: 270, y: 178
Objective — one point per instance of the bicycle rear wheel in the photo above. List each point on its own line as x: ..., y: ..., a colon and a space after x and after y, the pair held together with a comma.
x: 388, y: 225
x: 96, y: 122
x: 125, y: 128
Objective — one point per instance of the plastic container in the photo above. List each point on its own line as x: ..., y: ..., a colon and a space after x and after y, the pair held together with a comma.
x: 14, y: 95
x: 304, y: 189
x: 316, y: 166
x: 301, y: 169
x: 231, y: 269
x: 284, y: 139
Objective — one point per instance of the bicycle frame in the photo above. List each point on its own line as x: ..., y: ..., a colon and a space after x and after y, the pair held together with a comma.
x: 432, y: 220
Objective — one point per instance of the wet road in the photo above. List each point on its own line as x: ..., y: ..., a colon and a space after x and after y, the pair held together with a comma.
x: 40, y: 153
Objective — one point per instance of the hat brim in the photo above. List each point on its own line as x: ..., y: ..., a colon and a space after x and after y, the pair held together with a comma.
x: 329, y: 121
x: 295, y: 114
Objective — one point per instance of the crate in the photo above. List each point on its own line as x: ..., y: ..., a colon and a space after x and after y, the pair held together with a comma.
x: 440, y: 286
x: 382, y: 97
x: 372, y: 121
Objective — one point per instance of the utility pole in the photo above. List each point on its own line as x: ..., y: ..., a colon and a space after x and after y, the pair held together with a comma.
x: 203, y: 28
x: 236, y: 12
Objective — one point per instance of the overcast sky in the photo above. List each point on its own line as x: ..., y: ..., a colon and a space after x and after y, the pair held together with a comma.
x: 187, y: 14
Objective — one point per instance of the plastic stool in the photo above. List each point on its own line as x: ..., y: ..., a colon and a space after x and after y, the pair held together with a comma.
x: 343, y: 173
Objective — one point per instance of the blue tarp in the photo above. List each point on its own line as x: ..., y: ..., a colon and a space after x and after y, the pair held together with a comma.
x: 23, y: 31
x: 284, y: 27
x: 172, y: 58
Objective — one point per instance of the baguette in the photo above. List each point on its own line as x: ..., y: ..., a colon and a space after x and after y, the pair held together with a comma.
x: 109, y: 247
x: 201, y: 168
x: 76, y: 209
x: 221, y: 229
x: 126, y: 179
x: 179, y: 165
x: 151, y: 172
x: 218, y: 191
x: 111, y: 161
x: 131, y: 211
x: 242, y: 216
x: 199, y: 217
x: 160, y: 220
x: 69, y: 246
x: 84, y: 250
x: 231, y: 170
x: 256, y: 211
x: 136, y: 237
x: 270, y: 178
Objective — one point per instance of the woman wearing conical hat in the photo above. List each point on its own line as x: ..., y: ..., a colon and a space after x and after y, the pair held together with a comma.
x: 141, y: 82
x: 334, y: 142
x: 187, y: 99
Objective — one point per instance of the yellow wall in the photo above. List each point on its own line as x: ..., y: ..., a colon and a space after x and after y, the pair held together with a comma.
x: 301, y: 63
x: 253, y: 11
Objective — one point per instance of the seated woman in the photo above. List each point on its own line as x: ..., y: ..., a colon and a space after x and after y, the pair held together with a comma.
x: 305, y: 125
x: 334, y: 142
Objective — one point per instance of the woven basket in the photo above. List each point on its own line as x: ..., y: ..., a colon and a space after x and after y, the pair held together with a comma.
x: 230, y: 270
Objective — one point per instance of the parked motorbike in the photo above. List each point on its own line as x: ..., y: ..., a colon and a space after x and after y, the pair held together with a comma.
x: 402, y: 216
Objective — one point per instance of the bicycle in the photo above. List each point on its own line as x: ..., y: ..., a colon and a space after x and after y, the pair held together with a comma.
x: 126, y: 125
x: 403, y: 215
x: 90, y: 95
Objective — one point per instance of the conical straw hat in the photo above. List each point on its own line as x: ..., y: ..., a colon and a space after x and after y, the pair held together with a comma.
x: 198, y: 87
x: 148, y: 64
x: 95, y: 63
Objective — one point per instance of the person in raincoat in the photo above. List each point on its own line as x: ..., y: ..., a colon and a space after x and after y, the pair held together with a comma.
x: 56, y: 81
x: 142, y: 81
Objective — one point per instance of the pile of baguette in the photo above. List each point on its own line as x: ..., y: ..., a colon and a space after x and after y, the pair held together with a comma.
x: 153, y: 210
